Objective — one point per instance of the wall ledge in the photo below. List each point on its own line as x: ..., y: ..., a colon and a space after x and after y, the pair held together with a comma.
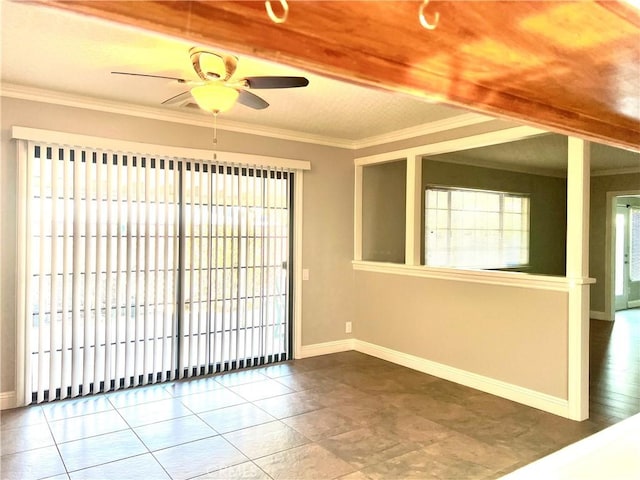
x: 487, y: 277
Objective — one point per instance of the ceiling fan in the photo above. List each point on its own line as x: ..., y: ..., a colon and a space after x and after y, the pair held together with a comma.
x: 216, y: 91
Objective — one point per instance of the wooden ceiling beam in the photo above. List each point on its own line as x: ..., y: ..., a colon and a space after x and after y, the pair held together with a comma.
x: 572, y: 67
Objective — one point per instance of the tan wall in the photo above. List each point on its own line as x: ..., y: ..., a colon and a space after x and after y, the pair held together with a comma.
x: 515, y: 335
x: 328, y: 208
x: 597, y: 233
x: 384, y: 203
x: 548, y: 221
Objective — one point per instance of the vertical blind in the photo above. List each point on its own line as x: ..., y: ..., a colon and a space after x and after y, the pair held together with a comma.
x: 142, y: 269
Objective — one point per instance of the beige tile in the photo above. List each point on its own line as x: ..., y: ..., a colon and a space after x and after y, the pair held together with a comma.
x: 360, y: 410
x: 240, y: 377
x: 138, y: 395
x: 93, y: 451
x: 288, y: 405
x: 367, y: 446
x: 75, y: 428
x: 28, y: 437
x: 141, y: 466
x: 409, y: 427
x: 310, y: 462
x: 420, y: 465
x: 236, y: 417
x: 76, y: 407
x: 173, y: 432
x: 340, y: 394
x: 281, y: 369
x: 321, y: 423
x: 259, y: 390
x: 306, y: 381
x: 355, y: 476
x: 211, y: 400
x: 39, y: 463
x: 18, y: 417
x: 191, y: 386
x: 467, y: 449
x: 265, y: 439
x: 244, y: 471
x: 199, y: 457
x: 146, y: 413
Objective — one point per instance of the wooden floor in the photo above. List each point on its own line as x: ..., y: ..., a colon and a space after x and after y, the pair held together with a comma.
x: 615, y: 367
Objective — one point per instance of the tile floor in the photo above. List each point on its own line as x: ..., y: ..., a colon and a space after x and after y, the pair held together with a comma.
x: 346, y: 415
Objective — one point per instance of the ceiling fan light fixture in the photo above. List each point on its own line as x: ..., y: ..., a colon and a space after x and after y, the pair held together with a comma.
x: 215, y: 98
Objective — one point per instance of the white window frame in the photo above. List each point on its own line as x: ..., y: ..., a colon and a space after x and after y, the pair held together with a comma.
x: 450, y: 228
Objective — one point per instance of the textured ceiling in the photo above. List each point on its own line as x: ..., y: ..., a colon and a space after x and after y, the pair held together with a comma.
x: 545, y: 154
x: 63, y: 52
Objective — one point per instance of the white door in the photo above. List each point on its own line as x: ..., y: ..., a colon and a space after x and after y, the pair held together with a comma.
x: 622, y: 258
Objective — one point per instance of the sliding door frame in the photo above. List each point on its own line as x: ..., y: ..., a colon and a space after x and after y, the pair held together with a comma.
x: 24, y: 134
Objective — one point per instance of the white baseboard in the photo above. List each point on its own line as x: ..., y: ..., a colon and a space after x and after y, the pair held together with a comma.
x: 325, y: 348
x: 8, y: 400
x: 596, y: 315
x: 541, y: 401
x: 633, y: 303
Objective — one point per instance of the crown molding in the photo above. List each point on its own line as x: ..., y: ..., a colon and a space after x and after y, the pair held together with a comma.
x: 615, y: 171
x: 459, y: 121
x: 71, y: 100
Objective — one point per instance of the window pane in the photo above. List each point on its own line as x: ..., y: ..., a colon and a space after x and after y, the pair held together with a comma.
x: 481, y: 229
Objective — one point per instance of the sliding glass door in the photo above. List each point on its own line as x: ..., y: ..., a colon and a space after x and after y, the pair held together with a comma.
x: 142, y: 269
x: 235, y: 274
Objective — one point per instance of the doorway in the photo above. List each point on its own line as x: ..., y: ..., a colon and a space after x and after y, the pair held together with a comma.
x: 622, y: 278
x: 627, y: 253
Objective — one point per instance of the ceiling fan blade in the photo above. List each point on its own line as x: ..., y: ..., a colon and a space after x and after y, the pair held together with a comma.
x: 177, y: 98
x: 251, y: 100
x: 179, y: 80
x: 276, y: 82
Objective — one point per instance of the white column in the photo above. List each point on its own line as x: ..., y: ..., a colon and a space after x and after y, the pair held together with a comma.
x: 357, y: 221
x: 413, y: 210
x: 577, y: 272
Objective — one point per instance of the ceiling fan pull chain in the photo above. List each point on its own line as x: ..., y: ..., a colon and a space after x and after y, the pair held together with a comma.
x: 423, y: 21
x: 215, y: 135
x: 273, y: 16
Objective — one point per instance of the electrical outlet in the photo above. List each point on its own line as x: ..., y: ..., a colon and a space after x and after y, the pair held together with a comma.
x: 305, y: 274
x: 347, y: 327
